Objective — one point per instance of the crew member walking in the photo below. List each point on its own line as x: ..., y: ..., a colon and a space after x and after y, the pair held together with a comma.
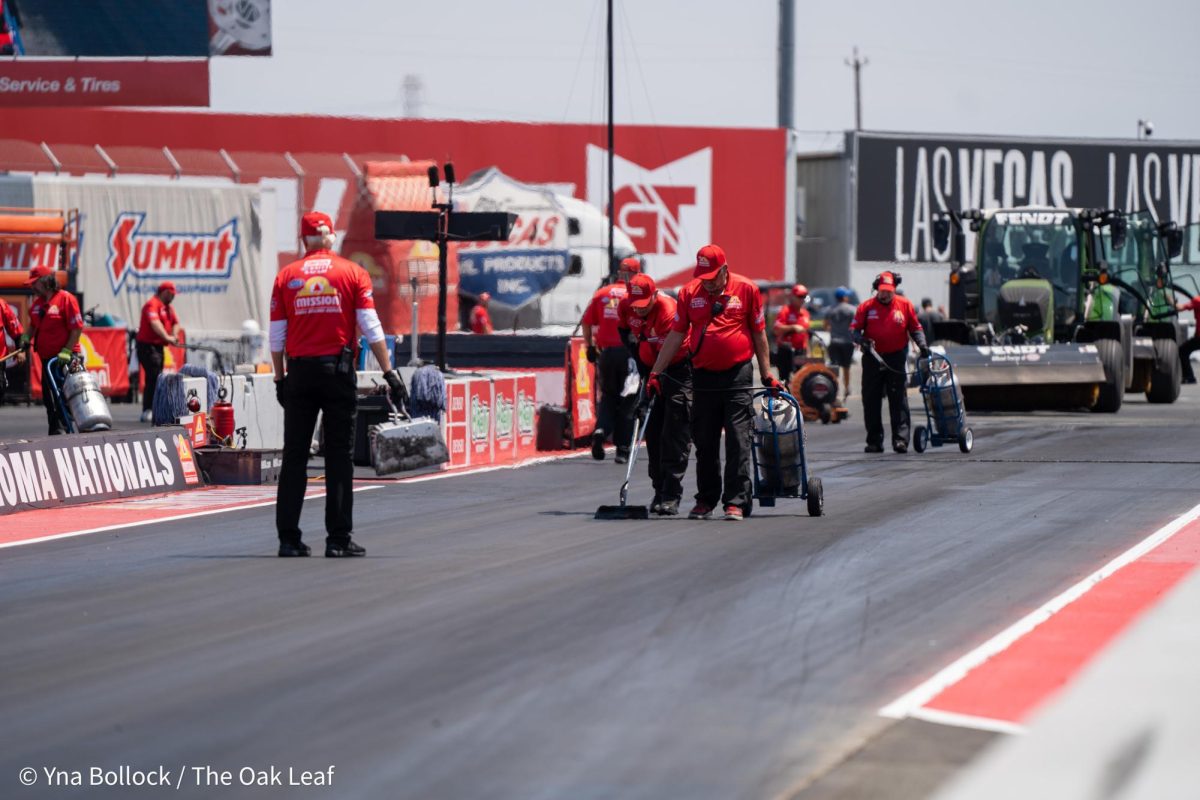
x: 647, y: 316
x: 10, y: 327
x: 481, y: 321
x: 603, y: 341
x: 159, y: 327
x: 315, y: 305
x: 719, y: 315
x: 1192, y: 344
x: 883, y: 325
x: 791, y: 332
x: 56, y: 323
x: 841, y: 342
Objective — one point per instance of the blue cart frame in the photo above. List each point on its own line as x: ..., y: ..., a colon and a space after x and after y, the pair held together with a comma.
x: 55, y: 370
x: 807, y: 488
x: 939, y: 416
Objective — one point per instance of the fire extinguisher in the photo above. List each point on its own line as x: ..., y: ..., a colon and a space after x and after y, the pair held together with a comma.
x: 222, y: 417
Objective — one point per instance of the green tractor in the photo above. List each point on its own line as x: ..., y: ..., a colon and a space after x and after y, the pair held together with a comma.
x: 1061, y: 308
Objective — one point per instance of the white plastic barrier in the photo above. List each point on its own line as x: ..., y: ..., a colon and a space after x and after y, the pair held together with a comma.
x: 254, y: 406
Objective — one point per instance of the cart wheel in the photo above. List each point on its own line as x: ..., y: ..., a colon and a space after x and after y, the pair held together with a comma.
x: 920, y: 438
x: 816, y: 497
x: 966, y: 441
x: 826, y: 414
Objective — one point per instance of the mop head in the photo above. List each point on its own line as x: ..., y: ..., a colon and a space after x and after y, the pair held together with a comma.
x: 427, y: 395
x: 402, y: 445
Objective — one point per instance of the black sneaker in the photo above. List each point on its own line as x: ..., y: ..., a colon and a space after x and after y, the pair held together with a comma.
x: 598, y: 445
x: 668, y: 508
x: 900, y: 447
x: 622, y: 457
x: 346, y: 549
x: 289, y: 549
x: 873, y: 448
x: 1189, y: 381
x: 655, y: 504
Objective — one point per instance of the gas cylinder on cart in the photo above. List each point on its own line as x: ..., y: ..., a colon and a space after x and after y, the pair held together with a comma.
x: 222, y: 417
x: 776, y: 425
x: 944, y: 396
x: 85, y: 402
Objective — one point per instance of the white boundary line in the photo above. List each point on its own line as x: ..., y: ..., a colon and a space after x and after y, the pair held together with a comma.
x: 967, y: 721
x: 909, y: 704
x: 265, y: 503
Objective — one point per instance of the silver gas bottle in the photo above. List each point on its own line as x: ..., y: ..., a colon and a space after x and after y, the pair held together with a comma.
x: 86, y: 403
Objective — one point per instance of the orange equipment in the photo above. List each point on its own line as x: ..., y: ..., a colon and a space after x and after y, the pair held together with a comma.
x: 815, y: 385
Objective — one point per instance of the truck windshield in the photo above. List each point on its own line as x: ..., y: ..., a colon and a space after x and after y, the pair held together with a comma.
x: 1046, y: 251
x: 1137, y: 261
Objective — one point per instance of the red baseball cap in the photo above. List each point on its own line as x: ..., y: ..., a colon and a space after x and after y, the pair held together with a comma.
x: 167, y: 286
x: 631, y: 264
x: 311, y: 223
x: 799, y: 290
x: 641, y: 290
x: 37, y: 273
x: 886, y: 281
x: 709, y: 261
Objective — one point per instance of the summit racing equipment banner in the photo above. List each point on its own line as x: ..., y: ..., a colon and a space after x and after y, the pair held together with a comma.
x: 104, y: 82
x: 534, y: 258
x: 206, y: 239
x: 86, y: 468
x: 904, y: 182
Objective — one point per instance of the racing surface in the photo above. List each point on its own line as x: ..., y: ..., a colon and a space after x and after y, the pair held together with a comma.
x: 498, y: 642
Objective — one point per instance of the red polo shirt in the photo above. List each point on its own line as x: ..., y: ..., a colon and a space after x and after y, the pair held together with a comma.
x: 52, y: 322
x: 791, y: 316
x: 156, y: 309
x: 651, y: 330
x: 603, y: 316
x: 318, y: 296
x: 481, y: 322
x: 723, y: 341
x: 9, y: 321
x: 888, y: 326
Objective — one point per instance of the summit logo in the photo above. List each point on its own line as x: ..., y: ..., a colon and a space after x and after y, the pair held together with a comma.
x: 666, y: 210
x: 155, y: 255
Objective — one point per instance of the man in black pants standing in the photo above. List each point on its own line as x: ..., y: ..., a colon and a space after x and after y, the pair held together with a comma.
x: 647, y: 317
x: 316, y: 304
x: 882, y: 326
x: 720, y: 315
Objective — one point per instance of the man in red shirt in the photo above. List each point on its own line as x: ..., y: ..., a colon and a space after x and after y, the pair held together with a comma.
x: 883, y: 324
x: 603, y: 340
x: 316, y: 305
x: 159, y: 327
x: 10, y: 326
x: 720, y: 315
x: 647, y: 316
x: 57, y: 324
x: 481, y: 322
x: 791, y: 331
x: 1192, y: 344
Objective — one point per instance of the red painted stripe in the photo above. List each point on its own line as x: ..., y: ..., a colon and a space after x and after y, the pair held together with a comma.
x: 1012, y: 684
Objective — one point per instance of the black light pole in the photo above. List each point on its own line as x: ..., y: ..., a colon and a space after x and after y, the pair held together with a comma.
x: 443, y: 240
x: 612, y: 267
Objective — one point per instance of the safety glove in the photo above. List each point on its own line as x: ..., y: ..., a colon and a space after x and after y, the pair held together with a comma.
x: 653, y: 386
x: 281, y: 392
x: 396, y: 388
x: 924, y: 350
x: 23, y: 342
x: 66, y: 354
x: 772, y: 383
x: 592, y: 353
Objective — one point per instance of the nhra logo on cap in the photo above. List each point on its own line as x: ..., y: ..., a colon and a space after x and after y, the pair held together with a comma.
x: 701, y: 261
x: 149, y: 254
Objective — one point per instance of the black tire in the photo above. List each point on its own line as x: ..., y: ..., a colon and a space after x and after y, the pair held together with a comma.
x: 920, y: 438
x: 826, y: 413
x: 1112, y: 391
x: 1167, y: 374
x: 816, y: 497
x: 967, y: 440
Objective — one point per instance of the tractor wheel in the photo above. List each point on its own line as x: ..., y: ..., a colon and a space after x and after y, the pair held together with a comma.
x: 1167, y: 373
x: 816, y: 497
x: 1112, y: 391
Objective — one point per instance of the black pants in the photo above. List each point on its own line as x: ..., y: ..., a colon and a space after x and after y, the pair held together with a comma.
x: 312, y: 387
x: 615, y: 415
x: 150, y: 358
x: 669, y: 434
x: 54, y: 414
x: 1185, y: 356
x: 731, y: 412
x: 785, y: 362
x: 875, y: 382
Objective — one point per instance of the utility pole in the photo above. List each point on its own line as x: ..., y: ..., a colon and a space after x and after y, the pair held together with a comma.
x: 612, y: 211
x: 787, y: 58
x: 857, y: 64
